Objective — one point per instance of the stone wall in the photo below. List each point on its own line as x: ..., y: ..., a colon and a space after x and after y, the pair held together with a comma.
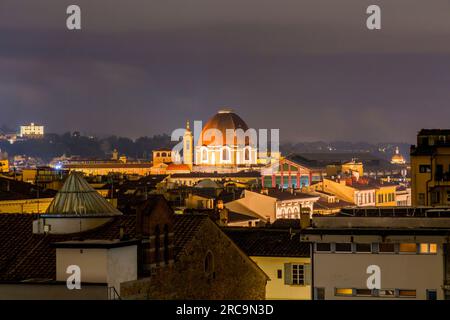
x: 233, y: 276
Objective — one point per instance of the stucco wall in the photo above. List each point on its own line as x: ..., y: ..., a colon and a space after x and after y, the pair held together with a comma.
x: 122, y: 266
x: 92, y: 263
x: 51, y: 292
x: 276, y: 288
x: 25, y: 206
x: 398, y: 271
x: 261, y: 204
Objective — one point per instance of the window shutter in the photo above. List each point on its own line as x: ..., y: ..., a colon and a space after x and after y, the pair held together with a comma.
x: 287, y: 273
x: 307, y: 274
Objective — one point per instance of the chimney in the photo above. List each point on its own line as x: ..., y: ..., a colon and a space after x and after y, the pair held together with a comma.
x: 223, y: 216
x: 305, y: 220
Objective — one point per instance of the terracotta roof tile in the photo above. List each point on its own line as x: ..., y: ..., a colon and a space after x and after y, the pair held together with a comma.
x: 185, y: 228
x: 268, y: 242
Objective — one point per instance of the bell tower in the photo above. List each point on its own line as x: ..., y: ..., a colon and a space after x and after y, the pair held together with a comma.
x: 187, y: 146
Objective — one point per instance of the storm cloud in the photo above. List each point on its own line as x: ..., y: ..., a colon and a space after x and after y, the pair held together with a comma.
x: 310, y: 68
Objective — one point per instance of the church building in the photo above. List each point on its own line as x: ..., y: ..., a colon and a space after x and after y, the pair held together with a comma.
x: 225, y: 141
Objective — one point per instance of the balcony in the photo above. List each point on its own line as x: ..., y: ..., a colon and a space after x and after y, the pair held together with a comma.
x: 442, y: 177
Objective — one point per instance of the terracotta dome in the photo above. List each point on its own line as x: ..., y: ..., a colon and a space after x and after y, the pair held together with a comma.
x: 223, y: 120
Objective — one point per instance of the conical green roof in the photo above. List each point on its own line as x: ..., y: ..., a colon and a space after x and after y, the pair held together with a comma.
x: 78, y: 198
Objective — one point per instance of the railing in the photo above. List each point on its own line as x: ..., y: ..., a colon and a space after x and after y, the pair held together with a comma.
x: 113, y: 294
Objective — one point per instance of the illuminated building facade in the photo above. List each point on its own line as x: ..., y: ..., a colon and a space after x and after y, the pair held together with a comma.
x: 4, y: 165
x: 32, y: 131
x: 416, y: 259
x: 162, y: 156
x: 397, y: 158
x: 430, y: 168
x: 225, y: 141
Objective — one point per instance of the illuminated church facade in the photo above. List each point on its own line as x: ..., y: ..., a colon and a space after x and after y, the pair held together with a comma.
x: 223, y: 142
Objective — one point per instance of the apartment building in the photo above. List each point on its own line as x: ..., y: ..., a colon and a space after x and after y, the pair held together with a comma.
x: 405, y: 249
x: 430, y: 168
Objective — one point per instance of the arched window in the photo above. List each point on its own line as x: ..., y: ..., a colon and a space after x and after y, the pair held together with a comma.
x: 246, y: 154
x: 157, y: 244
x: 157, y: 154
x: 226, y: 154
x: 283, y: 213
x: 164, y: 154
x: 166, y: 244
x: 289, y: 213
x: 204, y: 154
x: 209, y: 264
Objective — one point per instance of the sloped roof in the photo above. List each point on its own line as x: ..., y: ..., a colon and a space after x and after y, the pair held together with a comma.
x: 16, y: 190
x: 207, y: 183
x: 27, y: 256
x: 237, y: 206
x: 178, y: 167
x: 78, y: 198
x: 265, y: 242
x: 185, y: 228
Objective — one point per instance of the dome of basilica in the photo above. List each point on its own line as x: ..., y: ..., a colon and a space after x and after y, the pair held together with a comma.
x: 397, y: 158
x: 223, y: 120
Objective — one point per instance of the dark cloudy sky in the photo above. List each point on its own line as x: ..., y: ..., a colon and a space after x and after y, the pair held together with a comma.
x: 308, y: 67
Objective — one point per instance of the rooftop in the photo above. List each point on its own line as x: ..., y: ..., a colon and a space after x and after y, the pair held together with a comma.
x: 24, y: 255
x: 361, y: 220
x: 78, y: 198
x: 17, y: 190
x: 265, y: 242
x: 242, y: 174
x: 286, y: 195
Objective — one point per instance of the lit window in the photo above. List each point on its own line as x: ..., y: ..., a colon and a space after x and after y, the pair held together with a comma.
x: 428, y: 248
x: 407, y: 293
x: 407, y: 248
x: 344, y: 292
x: 433, y: 248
